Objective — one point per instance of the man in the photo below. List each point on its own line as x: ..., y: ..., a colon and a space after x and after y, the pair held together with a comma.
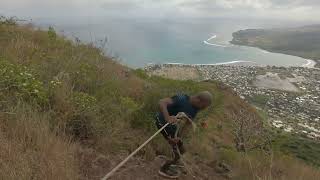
x: 169, y: 108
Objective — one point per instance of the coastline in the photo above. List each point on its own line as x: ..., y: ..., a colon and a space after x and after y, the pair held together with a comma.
x: 217, y: 64
x: 308, y: 64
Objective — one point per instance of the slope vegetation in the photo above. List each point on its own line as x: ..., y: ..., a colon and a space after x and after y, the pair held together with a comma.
x: 68, y: 111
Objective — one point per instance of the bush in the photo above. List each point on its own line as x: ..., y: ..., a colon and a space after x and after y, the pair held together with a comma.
x: 19, y: 81
x: 141, y: 73
x: 84, y: 102
x: 52, y: 33
x: 260, y: 100
x: 85, y: 111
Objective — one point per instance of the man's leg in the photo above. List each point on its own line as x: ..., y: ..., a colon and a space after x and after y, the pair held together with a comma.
x: 178, y: 150
x: 165, y: 170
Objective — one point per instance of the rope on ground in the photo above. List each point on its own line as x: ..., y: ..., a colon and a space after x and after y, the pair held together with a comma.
x: 184, y: 116
x: 132, y: 154
x: 179, y: 117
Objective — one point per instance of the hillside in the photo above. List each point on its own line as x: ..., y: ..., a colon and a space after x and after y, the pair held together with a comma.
x: 301, y: 41
x: 69, y: 111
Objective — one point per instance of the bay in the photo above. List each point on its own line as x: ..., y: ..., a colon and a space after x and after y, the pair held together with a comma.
x: 137, y: 42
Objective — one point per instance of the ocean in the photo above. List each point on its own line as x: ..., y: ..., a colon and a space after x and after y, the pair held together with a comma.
x: 137, y: 42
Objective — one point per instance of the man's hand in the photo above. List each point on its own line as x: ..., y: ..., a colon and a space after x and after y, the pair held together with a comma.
x: 174, y: 141
x: 172, y: 119
x: 163, y: 104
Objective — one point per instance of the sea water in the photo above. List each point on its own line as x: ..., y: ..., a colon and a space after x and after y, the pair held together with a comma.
x: 138, y: 42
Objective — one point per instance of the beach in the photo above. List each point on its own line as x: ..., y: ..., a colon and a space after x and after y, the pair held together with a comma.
x: 308, y: 64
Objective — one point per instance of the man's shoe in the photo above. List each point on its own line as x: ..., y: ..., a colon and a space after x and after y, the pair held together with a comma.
x: 178, y: 164
x: 170, y: 172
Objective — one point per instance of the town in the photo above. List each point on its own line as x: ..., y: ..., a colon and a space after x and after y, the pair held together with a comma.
x: 288, y: 96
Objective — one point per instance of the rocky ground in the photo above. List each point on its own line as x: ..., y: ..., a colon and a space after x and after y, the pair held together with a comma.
x: 99, y: 165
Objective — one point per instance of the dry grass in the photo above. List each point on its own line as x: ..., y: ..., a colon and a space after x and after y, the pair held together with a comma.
x: 273, y: 167
x: 31, y: 150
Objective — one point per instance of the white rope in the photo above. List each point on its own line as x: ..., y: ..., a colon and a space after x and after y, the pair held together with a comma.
x: 184, y: 116
x: 132, y: 154
x: 179, y: 116
x: 185, y: 164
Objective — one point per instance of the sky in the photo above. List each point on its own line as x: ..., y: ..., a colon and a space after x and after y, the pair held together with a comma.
x: 299, y: 10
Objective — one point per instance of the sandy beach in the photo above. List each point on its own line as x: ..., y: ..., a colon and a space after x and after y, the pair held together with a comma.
x: 310, y: 63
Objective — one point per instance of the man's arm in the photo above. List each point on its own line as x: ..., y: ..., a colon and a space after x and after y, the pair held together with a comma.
x: 163, y: 105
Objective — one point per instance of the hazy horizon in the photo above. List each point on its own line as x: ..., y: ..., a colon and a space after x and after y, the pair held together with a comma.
x: 279, y: 10
x: 150, y: 31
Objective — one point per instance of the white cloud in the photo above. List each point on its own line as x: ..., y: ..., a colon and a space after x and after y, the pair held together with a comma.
x: 256, y: 4
x: 277, y: 9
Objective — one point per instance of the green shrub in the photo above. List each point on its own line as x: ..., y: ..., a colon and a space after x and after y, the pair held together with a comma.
x: 85, y: 77
x: 52, y: 33
x: 141, y: 73
x: 260, y: 100
x: 85, y: 111
x: 21, y: 83
x: 303, y: 148
x: 84, y: 102
x: 128, y: 104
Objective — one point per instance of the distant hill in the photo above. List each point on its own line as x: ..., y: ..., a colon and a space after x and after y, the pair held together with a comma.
x: 302, y: 41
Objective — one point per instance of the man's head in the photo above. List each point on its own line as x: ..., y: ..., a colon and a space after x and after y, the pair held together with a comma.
x: 202, y: 100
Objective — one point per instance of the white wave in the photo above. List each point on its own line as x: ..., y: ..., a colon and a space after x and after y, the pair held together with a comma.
x: 223, y: 63
x: 212, y: 44
x: 212, y: 37
x: 309, y: 64
x: 234, y: 62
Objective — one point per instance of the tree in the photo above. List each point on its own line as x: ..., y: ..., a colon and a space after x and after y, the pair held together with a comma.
x: 249, y: 132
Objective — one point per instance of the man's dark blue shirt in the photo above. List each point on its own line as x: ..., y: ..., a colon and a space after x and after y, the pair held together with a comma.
x: 181, y: 103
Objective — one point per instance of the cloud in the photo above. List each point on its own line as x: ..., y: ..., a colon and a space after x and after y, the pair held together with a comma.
x: 121, y: 4
x: 276, y: 9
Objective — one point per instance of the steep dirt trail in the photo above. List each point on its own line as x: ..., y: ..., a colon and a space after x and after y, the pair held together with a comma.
x: 95, y: 166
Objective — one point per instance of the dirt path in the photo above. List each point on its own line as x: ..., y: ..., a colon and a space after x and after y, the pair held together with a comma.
x: 95, y: 166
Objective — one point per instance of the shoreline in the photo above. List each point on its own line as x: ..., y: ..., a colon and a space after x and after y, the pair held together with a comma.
x: 308, y: 64
x: 214, y: 64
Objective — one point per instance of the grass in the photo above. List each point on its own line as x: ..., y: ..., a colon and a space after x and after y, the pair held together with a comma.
x: 60, y: 98
x: 31, y: 150
x: 259, y: 100
x: 302, y: 148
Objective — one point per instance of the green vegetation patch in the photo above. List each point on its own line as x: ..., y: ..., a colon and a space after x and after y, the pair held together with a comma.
x: 304, y: 149
x: 259, y: 100
x: 19, y: 81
